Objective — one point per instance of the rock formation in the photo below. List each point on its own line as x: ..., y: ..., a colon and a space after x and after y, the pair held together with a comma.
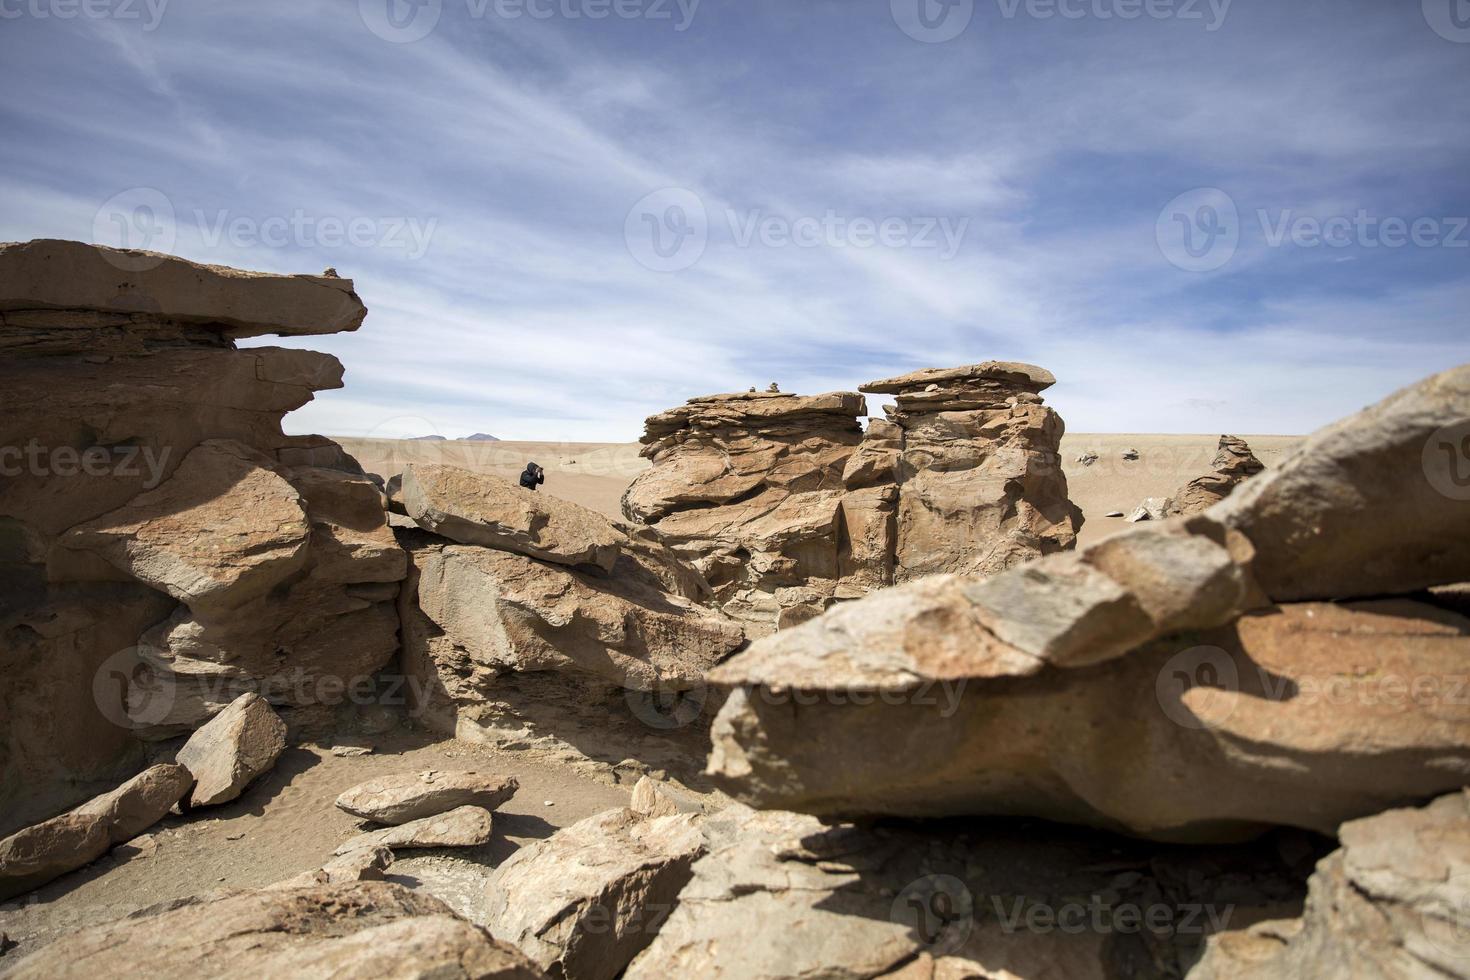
x: 363, y: 929
x: 499, y: 641
x: 233, y: 748
x: 786, y: 506
x: 463, y: 826
x: 409, y: 796
x: 1001, y: 695
x: 165, y: 546
x: 1234, y: 463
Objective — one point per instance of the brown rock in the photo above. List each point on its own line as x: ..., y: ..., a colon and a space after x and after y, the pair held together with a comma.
x: 238, y: 744
x: 584, y: 901
x: 1222, y: 728
x: 409, y: 796
x: 480, y: 509
x: 657, y: 798
x: 74, y: 278
x: 1234, y: 463
x: 36, y: 855
x: 363, y: 864
x: 140, y: 802
x: 465, y: 826
x: 358, y: 929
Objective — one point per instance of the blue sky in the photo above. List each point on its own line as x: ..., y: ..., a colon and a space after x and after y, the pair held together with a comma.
x: 563, y: 222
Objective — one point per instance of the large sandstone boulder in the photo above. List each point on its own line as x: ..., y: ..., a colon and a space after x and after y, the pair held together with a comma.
x: 1393, y: 901
x: 975, y: 457
x: 361, y: 929
x: 140, y: 802
x: 1367, y: 506
x: 1222, y: 729
x: 237, y: 745
x: 481, y: 509
x: 409, y: 796
x: 464, y: 826
x: 1234, y: 463
x: 31, y: 857
x: 586, y: 900
x: 165, y: 545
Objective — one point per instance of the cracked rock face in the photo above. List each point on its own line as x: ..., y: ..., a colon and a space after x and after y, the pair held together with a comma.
x: 787, y: 506
x: 165, y: 546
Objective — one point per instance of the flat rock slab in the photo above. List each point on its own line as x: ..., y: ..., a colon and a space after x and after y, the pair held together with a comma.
x: 409, y: 796
x: 477, y: 508
x: 464, y: 826
x: 140, y: 802
x: 238, y: 744
x: 359, y: 929
x: 48, y: 274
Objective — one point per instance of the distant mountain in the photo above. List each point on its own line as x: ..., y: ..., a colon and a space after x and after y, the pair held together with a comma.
x: 482, y: 437
x: 427, y: 439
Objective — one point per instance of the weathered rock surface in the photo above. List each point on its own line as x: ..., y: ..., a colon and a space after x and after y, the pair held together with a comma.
x: 505, y: 612
x: 481, y: 509
x: 787, y: 507
x: 464, y: 826
x: 1366, y: 506
x: 1222, y: 730
x: 409, y: 796
x: 363, y: 864
x: 153, y: 578
x: 60, y: 282
x: 140, y: 802
x: 363, y: 929
x: 780, y: 895
x: 237, y: 745
x: 31, y: 857
x: 1234, y: 463
x: 1393, y: 901
x: 583, y: 902
x: 976, y: 462
x: 659, y: 798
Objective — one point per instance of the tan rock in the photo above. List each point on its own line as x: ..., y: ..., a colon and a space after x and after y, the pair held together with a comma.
x: 72, y: 277
x: 224, y: 529
x: 237, y: 745
x: 1367, y: 506
x: 1393, y: 901
x: 464, y: 826
x: 409, y: 796
x: 1222, y: 728
x: 357, y: 929
x: 363, y: 864
x: 140, y: 802
x: 481, y: 509
x: 31, y: 857
x: 1234, y: 463
x: 658, y: 798
x: 583, y: 902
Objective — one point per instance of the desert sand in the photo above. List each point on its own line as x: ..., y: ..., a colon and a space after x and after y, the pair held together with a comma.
x: 596, y: 474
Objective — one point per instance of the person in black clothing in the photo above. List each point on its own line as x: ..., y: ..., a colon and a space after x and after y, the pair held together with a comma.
x: 533, y: 476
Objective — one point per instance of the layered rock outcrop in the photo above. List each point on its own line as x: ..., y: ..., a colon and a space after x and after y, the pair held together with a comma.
x: 1234, y: 463
x: 503, y: 644
x: 1002, y: 695
x: 787, y: 506
x: 164, y: 547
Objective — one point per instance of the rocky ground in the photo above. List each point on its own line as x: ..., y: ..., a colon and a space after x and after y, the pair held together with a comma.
x: 286, y: 824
